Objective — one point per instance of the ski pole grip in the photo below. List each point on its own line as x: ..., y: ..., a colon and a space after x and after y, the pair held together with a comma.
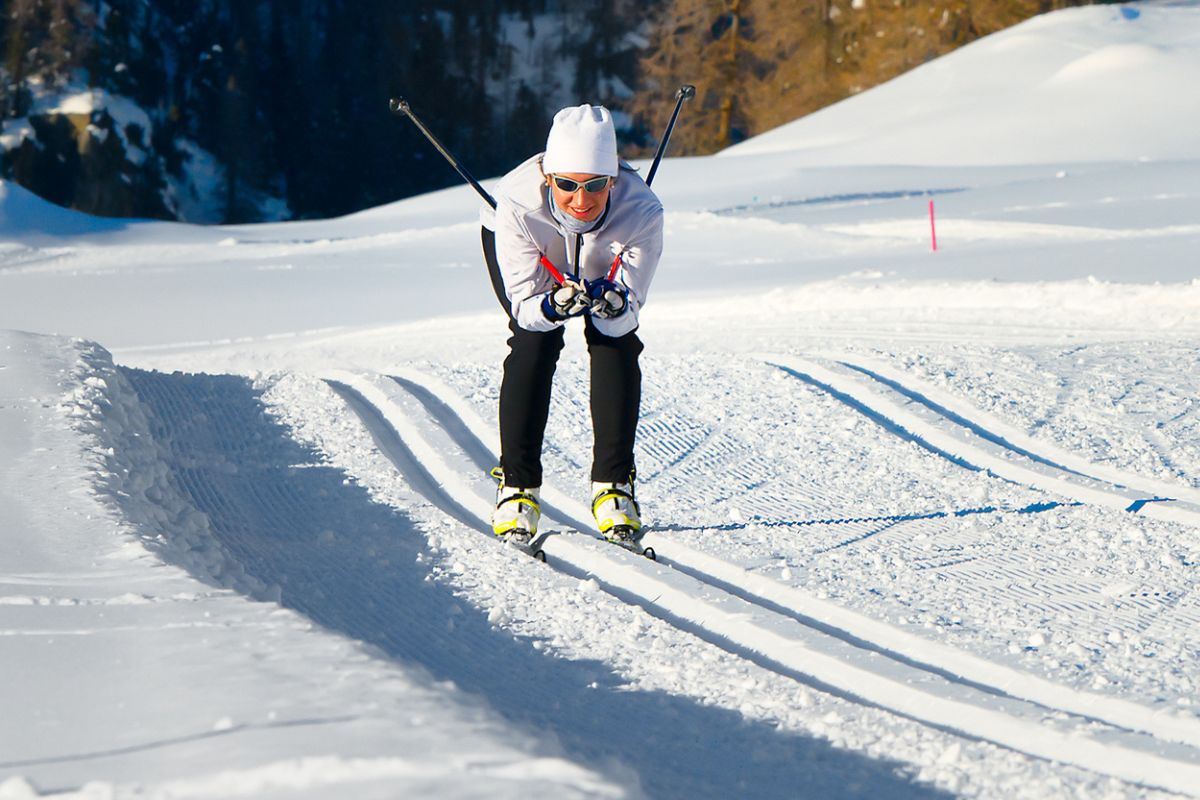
x: 684, y: 92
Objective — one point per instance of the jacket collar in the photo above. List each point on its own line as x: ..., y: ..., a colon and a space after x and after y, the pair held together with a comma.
x: 571, y: 225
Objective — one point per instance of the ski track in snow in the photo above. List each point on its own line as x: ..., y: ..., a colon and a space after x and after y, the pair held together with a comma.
x: 471, y: 439
x: 948, y: 520
x: 283, y: 517
x: 216, y: 432
x: 1137, y: 413
x: 388, y: 419
x: 1007, y: 452
x: 956, y: 547
x: 1115, y: 489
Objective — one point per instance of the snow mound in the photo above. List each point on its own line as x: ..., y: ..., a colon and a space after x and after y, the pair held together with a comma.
x: 23, y: 213
x: 1099, y: 83
x: 133, y: 472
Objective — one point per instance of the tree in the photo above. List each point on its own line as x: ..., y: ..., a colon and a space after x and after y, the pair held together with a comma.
x: 758, y: 64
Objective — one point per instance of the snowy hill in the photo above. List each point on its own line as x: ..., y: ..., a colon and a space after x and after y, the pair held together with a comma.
x: 926, y: 521
x: 1082, y: 85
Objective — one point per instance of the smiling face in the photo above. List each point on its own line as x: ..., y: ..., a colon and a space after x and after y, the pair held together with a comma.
x: 581, y: 204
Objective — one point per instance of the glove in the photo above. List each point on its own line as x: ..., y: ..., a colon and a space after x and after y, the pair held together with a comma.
x: 568, y: 300
x: 609, y: 299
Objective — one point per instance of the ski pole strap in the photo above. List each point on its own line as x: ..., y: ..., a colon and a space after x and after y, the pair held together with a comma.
x: 401, y: 106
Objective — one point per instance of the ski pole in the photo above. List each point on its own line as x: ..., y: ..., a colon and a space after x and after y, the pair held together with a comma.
x: 685, y: 92
x: 554, y: 271
x: 401, y: 106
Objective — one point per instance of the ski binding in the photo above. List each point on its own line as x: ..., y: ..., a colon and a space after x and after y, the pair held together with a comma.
x: 525, y: 542
x: 626, y: 537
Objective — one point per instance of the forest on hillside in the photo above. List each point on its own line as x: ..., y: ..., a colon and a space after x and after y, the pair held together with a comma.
x: 243, y: 110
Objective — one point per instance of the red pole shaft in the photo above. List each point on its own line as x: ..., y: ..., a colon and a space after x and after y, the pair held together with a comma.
x: 549, y: 265
x: 612, y: 272
x: 932, y: 227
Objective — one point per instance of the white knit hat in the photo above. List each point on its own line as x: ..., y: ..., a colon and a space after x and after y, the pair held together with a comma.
x: 582, y: 139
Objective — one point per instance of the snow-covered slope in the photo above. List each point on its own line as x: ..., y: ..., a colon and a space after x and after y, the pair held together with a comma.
x: 927, y: 522
x: 1091, y: 84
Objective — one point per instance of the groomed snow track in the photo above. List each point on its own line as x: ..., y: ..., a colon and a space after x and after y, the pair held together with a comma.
x: 948, y: 428
x: 444, y: 451
x: 267, y: 510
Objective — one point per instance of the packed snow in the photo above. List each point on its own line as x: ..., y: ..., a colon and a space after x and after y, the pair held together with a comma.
x: 926, y: 522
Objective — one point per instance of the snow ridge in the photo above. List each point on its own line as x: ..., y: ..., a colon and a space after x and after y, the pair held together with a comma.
x: 134, y: 476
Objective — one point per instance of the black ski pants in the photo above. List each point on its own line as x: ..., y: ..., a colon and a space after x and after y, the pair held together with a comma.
x: 616, y: 393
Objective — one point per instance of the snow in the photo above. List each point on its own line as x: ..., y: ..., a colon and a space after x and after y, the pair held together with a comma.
x: 15, y: 132
x: 1043, y: 91
x: 926, y: 522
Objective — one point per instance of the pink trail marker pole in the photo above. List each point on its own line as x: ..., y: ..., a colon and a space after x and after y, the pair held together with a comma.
x: 932, y: 227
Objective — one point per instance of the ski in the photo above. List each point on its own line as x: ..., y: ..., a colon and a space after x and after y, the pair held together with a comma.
x: 532, y: 546
x: 526, y: 543
x: 628, y: 539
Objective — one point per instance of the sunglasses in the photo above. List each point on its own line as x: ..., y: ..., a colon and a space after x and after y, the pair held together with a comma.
x: 590, y: 186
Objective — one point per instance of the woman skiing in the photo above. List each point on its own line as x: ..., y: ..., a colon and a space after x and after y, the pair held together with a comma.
x: 599, y: 226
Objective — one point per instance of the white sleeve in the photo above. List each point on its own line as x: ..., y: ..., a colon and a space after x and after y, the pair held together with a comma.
x: 487, y: 217
x: 525, y: 279
x: 638, y: 265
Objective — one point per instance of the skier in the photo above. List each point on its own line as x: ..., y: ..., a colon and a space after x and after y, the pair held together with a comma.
x: 600, y: 226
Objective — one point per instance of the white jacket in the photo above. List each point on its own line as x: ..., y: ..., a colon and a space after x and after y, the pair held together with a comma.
x: 525, y: 230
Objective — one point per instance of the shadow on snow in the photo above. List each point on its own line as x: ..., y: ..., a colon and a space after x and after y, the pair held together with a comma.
x: 350, y: 564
